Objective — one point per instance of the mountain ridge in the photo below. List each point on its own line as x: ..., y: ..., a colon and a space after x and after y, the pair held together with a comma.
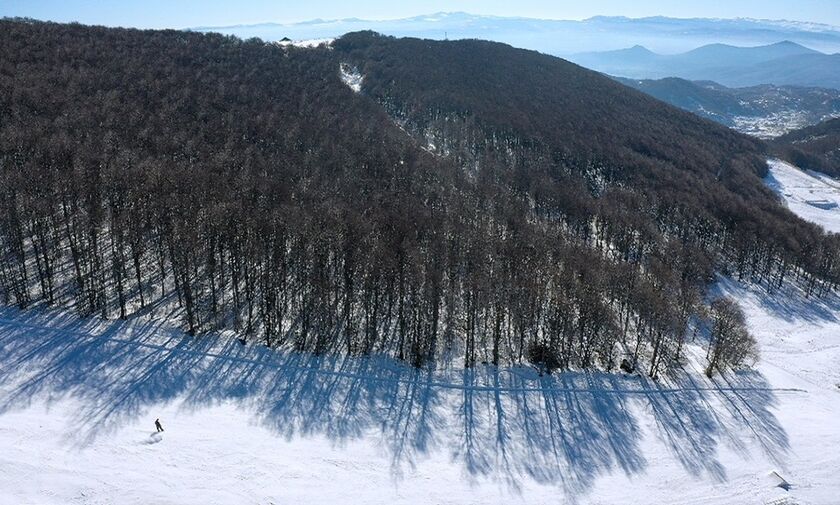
x: 780, y: 63
x: 464, y: 14
x: 557, y: 37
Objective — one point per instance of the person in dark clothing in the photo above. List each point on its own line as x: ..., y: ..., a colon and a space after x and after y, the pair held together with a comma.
x: 158, y: 426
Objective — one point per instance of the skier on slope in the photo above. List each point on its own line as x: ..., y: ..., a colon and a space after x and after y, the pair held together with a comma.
x: 158, y: 426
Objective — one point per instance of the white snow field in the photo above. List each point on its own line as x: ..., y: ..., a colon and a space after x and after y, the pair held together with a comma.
x: 78, y: 399
x: 247, y: 425
x: 812, y: 196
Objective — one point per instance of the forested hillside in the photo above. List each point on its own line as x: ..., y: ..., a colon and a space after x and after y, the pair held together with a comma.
x: 473, y: 199
x: 765, y: 111
x: 815, y: 147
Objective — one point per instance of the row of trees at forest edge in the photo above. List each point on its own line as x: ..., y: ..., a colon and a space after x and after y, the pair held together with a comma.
x: 246, y: 183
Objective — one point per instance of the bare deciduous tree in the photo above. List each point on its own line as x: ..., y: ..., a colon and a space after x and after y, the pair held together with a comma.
x: 730, y: 343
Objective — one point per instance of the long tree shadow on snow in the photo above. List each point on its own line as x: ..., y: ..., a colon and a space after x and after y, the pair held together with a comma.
x: 500, y: 424
x: 787, y: 302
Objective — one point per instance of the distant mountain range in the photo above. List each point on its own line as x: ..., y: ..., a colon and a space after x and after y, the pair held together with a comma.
x: 763, y: 111
x: 562, y: 37
x: 781, y: 63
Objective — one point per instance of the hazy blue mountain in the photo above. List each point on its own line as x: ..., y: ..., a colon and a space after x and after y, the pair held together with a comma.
x: 781, y: 63
x: 818, y: 69
x: 711, y: 55
x: 559, y: 37
x: 764, y: 111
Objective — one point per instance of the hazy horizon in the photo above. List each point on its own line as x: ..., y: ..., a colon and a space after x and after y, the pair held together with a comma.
x: 493, y: 16
x: 217, y: 13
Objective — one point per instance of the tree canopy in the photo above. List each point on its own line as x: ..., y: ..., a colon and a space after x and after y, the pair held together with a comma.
x: 472, y: 198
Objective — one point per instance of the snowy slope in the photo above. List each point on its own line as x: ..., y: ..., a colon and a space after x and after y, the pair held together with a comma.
x: 812, y: 196
x: 78, y: 399
x: 245, y: 425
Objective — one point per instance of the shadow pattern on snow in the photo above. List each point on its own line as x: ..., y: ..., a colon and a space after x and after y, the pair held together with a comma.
x: 500, y: 424
x: 787, y: 302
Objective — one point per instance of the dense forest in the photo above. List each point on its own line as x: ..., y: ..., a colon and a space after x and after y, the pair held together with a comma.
x: 473, y: 200
x: 814, y: 148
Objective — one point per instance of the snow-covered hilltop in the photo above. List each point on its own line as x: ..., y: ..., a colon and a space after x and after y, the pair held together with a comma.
x: 307, y: 43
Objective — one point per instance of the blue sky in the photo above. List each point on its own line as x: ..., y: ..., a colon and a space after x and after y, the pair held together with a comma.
x: 189, y: 13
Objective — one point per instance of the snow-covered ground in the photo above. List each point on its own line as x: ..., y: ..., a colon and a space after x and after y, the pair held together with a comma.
x: 812, y: 196
x: 307, y: 43
x: 351, y: 76
x: 78, y: 399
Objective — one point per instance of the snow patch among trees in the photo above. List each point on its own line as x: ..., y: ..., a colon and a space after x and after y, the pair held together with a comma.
x: 351, y: 76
